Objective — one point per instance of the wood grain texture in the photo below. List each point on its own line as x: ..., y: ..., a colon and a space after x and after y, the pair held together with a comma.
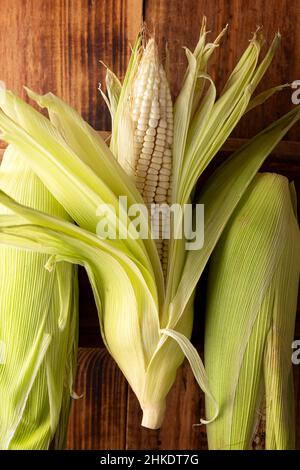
x: 56, y: 45
x: 98, y: 418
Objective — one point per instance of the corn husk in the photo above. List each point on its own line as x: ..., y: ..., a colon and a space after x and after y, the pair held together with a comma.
x: 38, y: 327
x: 251, y: 309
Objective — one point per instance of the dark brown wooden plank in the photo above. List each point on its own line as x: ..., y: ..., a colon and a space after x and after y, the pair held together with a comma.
x: 56, y: 45
x: 179, y: 25
x: 98, y: 419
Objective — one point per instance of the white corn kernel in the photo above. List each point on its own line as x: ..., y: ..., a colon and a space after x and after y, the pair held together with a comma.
x: 153, y: 123
x: 155, y: 166
x: 164, y: 177
x: 149, y: 138
x: 147, y: 151
x: 148, y: 145
x: 151, y: 131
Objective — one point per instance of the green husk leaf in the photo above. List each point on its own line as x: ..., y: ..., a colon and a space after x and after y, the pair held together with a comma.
x: 116, y: 282
x: 220, y: 196
x: 114, y: 89
x: 129, y: 322
x: 40, y: 310
x: 130, y: 73
x: 264, y: 96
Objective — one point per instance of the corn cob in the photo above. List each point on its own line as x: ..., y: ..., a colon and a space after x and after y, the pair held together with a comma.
x: 152, y: 117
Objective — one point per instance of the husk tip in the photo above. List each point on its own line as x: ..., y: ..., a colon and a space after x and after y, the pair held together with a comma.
x: 153, y: 415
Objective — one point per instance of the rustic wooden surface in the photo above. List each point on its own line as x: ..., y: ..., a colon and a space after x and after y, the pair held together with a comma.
x: 98, y: 420
x: 56, y: 45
